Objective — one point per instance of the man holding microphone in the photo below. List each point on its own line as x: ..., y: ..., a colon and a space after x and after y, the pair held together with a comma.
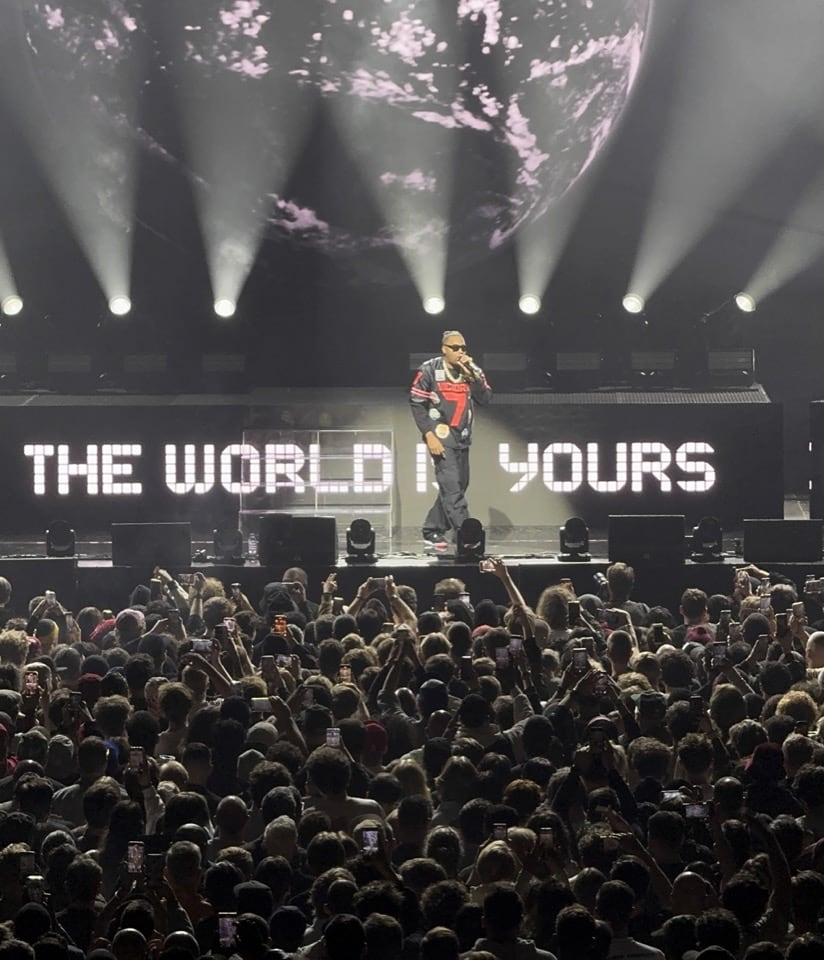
x: 442, y: 397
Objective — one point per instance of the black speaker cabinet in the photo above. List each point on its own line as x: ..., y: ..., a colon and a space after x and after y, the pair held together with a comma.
x: 152, y: 544
x: 782, y: 541
x: 285, y: 540
x: 647, y: 539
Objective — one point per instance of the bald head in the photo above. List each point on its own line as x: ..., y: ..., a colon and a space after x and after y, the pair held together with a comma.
x: 232, y: 815
x: 691, y: 895
x: 129, y: 944
x: 815, y: 650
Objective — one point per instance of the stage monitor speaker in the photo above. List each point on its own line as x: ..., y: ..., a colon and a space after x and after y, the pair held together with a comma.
x: 285, y: 540
x: 167, y: 545
x: 647, y: 539
x: 782, y: 541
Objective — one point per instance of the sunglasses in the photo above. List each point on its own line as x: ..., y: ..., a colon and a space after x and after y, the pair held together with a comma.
x: 456, y: 346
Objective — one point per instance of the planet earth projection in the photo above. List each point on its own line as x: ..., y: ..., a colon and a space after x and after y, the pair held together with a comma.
x: 455, y: 121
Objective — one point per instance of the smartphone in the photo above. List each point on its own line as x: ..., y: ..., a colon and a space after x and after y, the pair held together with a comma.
x: 780, y: 624
x: 201, y: 645
x: 333, y: 737
x: 268, y: 670
x: 134, y: 857
x: 464, y: 598
x: 388, y: 626
x: 735, y: 632
x: 283, y: 660
x: 230, y: 623
x: 236, y: 591
x: 221, y: 633
x: 697, y: 705
x: 75, y: 701
x: 765, y: 606
x: 226, y: 929
x: 186, y: 579
x: 724, y: 618
x: 501, y: 657
x: 137, y: 758
x: 27, y: 867
x: 279, y: 627
x: 574, y: 607
x: 155, y: 862
x: 35, y: 889
x: 156, y: 588
x: 261, y: 705
x: 32, y: 681
x: 50, y: 596
x: 345, y: 673
x: 499, y: 831
x: 696, y: 811
x: 370, y: 841
x: 798, y: 610
x: 580, y: 660
x: 718, y: 653
x: 547, y: 837
x: 173, y: 615
x: 671, y: 795
x: 658, y: 632
x: 486, y: 566
x: 515, y: 643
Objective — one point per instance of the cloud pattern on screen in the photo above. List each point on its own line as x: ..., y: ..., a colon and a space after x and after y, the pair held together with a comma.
x: 525, y: 92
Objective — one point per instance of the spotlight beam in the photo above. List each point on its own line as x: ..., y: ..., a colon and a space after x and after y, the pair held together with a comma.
x: 715, y: 143
x: 409, y: 160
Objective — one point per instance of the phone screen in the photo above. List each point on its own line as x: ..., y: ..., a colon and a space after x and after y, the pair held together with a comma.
x: 696, y: 811
x: 135, y: 857
x: 136, y: 758
x: 226, y: 930
x: 333, y: 736
x: 500, y: 831
x: 32, y: 680
x: 267, y: 668
x: 579, y: 658
x: 370, y: 841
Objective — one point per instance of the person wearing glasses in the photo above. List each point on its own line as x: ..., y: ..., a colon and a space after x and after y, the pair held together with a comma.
x: 442, y: 398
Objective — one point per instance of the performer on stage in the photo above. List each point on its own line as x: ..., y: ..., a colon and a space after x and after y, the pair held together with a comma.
x: 442, y: 397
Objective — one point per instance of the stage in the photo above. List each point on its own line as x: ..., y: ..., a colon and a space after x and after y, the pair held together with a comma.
x: 90, y: 578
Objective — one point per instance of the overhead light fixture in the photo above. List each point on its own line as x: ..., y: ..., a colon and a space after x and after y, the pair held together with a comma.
x: 224, y: 307
x: 120, y: 305
x: 707, y: 541
x: 530, y: 304
x: 11, y: 305
x: 60, y: 539
x: 434, y: 305
x: 228, y: 546
x: 745, y: 302
x: 470, y: 541
x: 360, y: 542
x: 574, y: 537
x: 634, y: 303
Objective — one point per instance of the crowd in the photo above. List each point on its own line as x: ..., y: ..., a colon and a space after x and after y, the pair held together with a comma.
x: 295, y: 775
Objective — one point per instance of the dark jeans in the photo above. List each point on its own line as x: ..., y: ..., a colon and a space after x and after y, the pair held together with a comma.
x: 450, y: 509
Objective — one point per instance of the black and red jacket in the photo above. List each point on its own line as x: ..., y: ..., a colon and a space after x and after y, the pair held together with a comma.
x: 443, y: 403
